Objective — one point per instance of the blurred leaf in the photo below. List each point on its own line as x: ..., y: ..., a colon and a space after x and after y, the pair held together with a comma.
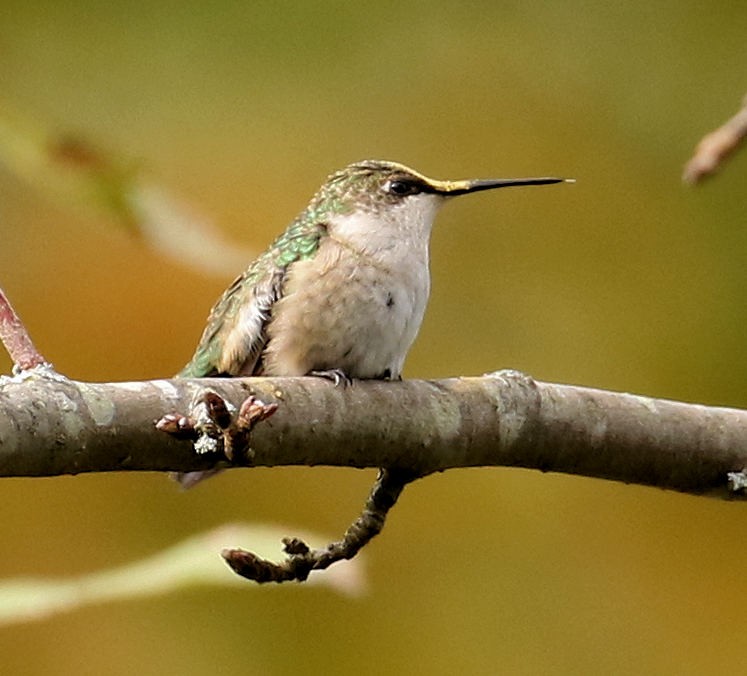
x: 195, y: 561
x: 72, y: 169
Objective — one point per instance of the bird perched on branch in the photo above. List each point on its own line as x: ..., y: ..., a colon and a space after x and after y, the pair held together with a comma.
x: 342, y: 292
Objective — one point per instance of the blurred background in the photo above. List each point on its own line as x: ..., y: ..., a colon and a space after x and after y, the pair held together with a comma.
x: 627, y: 280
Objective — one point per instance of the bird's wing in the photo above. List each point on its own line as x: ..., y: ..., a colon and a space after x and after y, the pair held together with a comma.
x: 236, y: 334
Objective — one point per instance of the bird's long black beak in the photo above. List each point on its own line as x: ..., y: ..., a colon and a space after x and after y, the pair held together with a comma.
x: 453, y: 188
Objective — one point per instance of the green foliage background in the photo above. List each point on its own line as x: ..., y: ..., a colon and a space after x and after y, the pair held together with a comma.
x: 626, y: 280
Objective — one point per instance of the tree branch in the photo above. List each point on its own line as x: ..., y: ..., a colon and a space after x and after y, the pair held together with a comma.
x: 16, y: 339
x: 716, y: 146
x: 50, y: 425
x: 302, y: 559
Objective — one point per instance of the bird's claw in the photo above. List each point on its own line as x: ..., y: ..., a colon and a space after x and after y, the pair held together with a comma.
x: 337, y: 376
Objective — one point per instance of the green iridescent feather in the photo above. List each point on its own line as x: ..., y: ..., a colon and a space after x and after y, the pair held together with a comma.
x: 300, y: 241
x: 262, y: 283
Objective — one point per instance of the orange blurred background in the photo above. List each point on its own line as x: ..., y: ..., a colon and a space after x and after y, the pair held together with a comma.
x: 626, y: 280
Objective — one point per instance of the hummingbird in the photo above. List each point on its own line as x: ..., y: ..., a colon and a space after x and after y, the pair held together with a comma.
x: 342, y: 292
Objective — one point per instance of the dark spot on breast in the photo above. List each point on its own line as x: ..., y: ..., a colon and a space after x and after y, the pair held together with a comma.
x: 347, y: 352
x: 389, y: 300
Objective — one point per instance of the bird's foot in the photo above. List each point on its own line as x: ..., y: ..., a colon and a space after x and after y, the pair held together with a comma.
x: 337, y: 376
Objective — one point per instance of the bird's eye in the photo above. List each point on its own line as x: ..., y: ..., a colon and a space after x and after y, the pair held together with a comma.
x: 401, y: 188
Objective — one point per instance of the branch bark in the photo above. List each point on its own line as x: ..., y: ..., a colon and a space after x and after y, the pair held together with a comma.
x: 50, y: 425
x: 716, y: 146
x: 16, y: 339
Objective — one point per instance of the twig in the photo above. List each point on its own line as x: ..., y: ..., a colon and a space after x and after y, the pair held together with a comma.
x: 213, y: 429
x: 16, y: 339
x: 302, y: 559
x: 715, y: 147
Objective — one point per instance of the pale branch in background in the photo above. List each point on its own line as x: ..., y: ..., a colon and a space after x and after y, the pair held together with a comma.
x: 175, y: 568
x: 716, y: 146
x: 75, y: 170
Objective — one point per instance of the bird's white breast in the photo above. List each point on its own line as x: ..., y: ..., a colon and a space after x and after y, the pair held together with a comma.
x: 358, y: 303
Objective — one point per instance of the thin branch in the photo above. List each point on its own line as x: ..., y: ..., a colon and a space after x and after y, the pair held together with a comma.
x: 15, y: 338
x: 716, y: 146
x: 302, y: 559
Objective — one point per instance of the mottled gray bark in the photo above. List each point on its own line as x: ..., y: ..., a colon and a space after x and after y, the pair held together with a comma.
x: 50, y: 425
